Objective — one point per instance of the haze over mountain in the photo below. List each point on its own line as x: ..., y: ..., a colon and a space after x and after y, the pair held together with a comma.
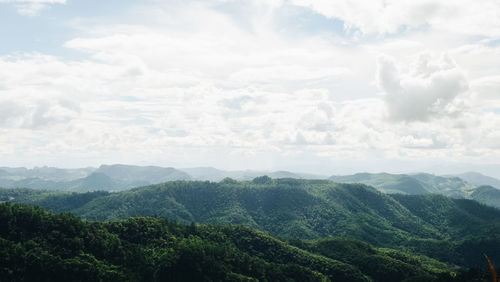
x: 213, y: 174
x: 121, y: 177
x: 45, y: 173
x: 424, y: 183
x: 106, y: 177
x: 476, y: 178
x: 413, y: 184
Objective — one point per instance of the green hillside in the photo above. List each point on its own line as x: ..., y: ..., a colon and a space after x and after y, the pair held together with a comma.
x: 40, y: 246
x: 451, y: 230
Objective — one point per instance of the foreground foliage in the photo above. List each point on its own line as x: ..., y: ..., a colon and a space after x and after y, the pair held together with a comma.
x: 36, y: 245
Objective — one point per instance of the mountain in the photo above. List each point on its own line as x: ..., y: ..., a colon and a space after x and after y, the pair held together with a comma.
x: 119, y: 177
x: 456, y: 231
x: 450, y: 186
x: 479, y: 179
x: 145, y: 174
x: 207, y: 173
x: 412, y: 184
x: 39, y: 246
x: 424, y: 183
x: 213, y: 174
x: 288, y: 174
x: 385, y: 182
x: 48, y: 173
x: 488, y: 195
x: 106, y: 177
x: 4, y: 173
x: 93, y: 182
x: 37, y: 183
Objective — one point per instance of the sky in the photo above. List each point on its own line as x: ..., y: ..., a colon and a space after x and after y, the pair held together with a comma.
x: 318, y: 86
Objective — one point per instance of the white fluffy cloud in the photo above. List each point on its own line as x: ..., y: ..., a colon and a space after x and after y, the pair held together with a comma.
x: 430, y: 88
x: 379, y: 16
x: 38, y: 115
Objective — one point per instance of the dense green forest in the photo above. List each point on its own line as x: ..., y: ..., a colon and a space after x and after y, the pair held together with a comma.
x: 454, y: 231
x: 36, y: 245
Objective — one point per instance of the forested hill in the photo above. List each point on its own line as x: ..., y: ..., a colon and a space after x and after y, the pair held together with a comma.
x: 451, y: 230
x: 39, y: 246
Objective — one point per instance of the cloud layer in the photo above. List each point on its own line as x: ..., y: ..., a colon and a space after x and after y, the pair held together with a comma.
x: 190, y: 83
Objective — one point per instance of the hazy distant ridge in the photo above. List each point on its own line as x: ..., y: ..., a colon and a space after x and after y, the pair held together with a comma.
x: 424, y: 183
x: 121, y: 177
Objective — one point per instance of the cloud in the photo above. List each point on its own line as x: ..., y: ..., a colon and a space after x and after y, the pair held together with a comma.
x: 49, y: 113
x: 393, y: 16
x: 37, y: 115
x: 10, y: 113
x: 487, y: 87
x: 237, y: 103
x: 32, y: 7
x: 430, y: 88
x: 412, y: 142
x: 200, y: 84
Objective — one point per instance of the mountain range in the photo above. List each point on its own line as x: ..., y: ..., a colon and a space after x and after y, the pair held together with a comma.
x: 106, y: 177
x: 361, y: 227
x: 455, y: 231
x: 118, y: 177
x: 424, y: 183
